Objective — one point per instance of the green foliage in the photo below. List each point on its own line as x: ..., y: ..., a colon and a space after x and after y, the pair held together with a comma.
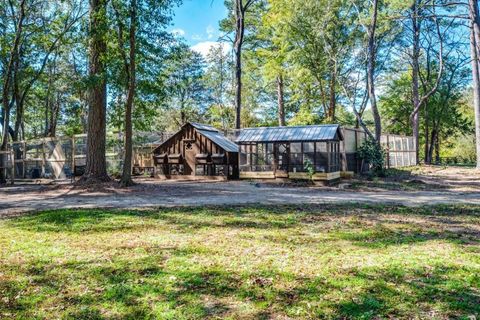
x: 310, y: 169
x: 448, y: 111
x: 156, y: 50
x: 316, y: 46
x: 460, y: 148
x: 218, y: 79
x: 305, y: 116
x: 372, y: 154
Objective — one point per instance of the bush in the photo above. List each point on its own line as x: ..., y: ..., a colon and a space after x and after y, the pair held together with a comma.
x: 373, y: 154
x: 310, y: 169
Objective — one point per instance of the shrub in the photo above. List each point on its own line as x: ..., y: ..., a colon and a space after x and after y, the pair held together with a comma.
x: 310, y: 169
x: 373, y: 154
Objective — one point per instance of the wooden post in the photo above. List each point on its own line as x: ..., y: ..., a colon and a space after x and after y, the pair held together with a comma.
x: 356, y: 152
x: 24, y: 160
x: 344, y: 152
x: 73, y: 159
x: 43, y: 158
x: 328, y: 156
x: 227, y: 154
x: 12, y: 159
x: 388, y: 151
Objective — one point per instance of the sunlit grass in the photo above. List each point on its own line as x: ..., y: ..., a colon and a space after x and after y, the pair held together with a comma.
x: 242, y: 263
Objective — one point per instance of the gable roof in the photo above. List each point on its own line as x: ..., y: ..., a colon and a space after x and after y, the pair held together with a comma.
x: 329, y: 132
x: 210, y: 133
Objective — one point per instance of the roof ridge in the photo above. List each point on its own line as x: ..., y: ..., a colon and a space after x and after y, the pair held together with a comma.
x: 288, y: 127
x: 294, y: 133
x: 202, y: 126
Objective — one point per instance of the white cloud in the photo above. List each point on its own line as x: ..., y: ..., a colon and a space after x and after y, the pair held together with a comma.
x: 210, y: 31
x: 197, y: 37
x: 204, y: 47
x: 178, y: 32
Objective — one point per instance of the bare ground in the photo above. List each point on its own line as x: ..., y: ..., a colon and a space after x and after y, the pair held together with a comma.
x: 459, y: 186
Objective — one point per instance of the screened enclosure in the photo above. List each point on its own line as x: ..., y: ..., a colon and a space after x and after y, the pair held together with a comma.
x: 290, y: 149
x: 290, y: 156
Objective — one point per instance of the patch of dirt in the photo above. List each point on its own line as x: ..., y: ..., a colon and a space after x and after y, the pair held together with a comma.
x: 421, y: 186
x: 428, y: 178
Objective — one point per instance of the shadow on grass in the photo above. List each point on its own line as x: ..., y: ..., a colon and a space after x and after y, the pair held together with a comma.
x: 150, y: 287
x: 381, y: 237
x: 369, y: 226
x: 143, y: 289
x: 92, y: 220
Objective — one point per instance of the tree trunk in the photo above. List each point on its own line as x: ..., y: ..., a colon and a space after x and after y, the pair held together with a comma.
x: 418, y: 101
x: 237, y: 46
x: 281, y: 102
x: 475, y: 55
x: 18, y: 101
x: 431, y: 146
x: 414, y: 118
x: 7, y: 81
x: 238, y: 87
x: 183, y: 116
x: 54, y: 112
x: 437, y: 149
x: 48, y: 102
x: 427, y: 138
x: 371, y: 72
x: 127, y: 163
x: 332, y: 95
x: 96, y: 165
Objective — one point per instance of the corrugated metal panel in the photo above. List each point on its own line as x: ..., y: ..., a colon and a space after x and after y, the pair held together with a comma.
x: 201, y: 126
x: 220, y: 140
x: 300, y: 133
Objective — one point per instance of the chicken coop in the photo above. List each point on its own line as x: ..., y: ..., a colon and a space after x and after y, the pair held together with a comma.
x: 196, y: 151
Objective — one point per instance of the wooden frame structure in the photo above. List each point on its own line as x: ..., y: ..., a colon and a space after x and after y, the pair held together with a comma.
x: 197, y: 151
x: 291, y: 152
x: 65, y: 156
x: 7, y: 162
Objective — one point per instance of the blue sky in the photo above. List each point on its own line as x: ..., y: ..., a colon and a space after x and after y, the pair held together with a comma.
x: 197, y: 22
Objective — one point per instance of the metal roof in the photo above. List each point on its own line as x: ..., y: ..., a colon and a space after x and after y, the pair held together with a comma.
x: 210, y: 133
x: 220, y: 140
x: 201, y: 126
x: 214, y: 135
x: 326, y: 132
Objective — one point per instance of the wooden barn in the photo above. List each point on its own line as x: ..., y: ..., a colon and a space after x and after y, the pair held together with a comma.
x: 197, y: 151
x: 291, y: 152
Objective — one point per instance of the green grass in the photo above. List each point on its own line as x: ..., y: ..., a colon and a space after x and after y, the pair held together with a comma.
x: 280, y: 262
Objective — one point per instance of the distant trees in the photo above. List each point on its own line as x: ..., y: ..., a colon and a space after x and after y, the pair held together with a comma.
x: 318, y: 34
x: 336, y: 54
x: 184, y: 80
x: 140, y: 33
x: 218, y: 79
x: 30, y: 34
x: 442, y: 118
x: 236, y: 22
x: 381, y: 65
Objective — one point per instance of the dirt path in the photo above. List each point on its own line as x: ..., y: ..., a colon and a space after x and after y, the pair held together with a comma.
x: 18, y: 199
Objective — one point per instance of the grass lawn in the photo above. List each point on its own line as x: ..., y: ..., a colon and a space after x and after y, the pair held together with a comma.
x: 349, y: 262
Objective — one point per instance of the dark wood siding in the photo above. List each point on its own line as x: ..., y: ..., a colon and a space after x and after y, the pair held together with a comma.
x: 189, y: 143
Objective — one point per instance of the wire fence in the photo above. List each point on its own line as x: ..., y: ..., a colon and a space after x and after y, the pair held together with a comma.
x: 65, y: 157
